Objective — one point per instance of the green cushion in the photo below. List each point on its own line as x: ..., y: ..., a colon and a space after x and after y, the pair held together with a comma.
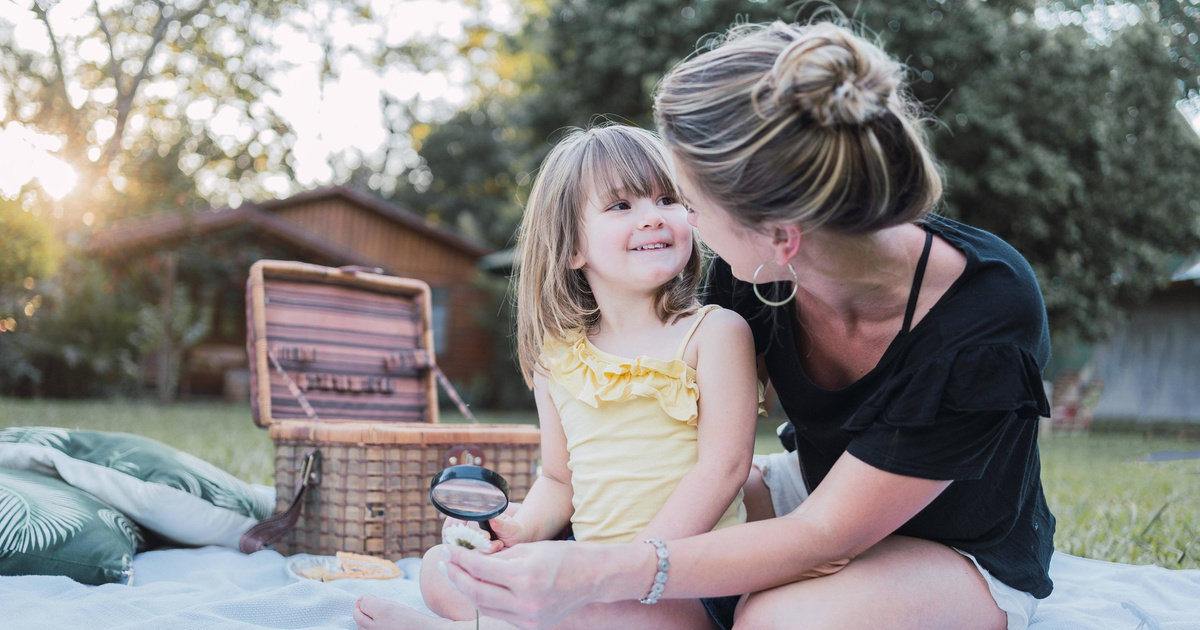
x: 171, y: 493
x: 50, y: 528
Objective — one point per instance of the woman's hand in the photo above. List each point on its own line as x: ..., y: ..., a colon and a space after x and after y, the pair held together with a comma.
x: 533, y: 585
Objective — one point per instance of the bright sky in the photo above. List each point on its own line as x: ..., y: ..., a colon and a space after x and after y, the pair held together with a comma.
x: 343, y: 114
x: 348, y: 114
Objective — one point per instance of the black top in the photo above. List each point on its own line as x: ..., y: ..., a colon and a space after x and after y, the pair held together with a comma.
x: 957, y: 397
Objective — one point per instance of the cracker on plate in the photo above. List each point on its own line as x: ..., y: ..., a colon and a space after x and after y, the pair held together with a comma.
x: 355, y: 566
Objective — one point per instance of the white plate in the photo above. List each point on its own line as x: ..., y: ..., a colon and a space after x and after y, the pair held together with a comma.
x: 303, y: 561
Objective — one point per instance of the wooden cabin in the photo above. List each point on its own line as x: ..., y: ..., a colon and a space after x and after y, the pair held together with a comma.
x: 1150, y: 370
x: 336, y: 227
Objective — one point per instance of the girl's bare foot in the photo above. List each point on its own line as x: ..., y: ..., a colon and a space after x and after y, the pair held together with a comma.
x: 373, y: 613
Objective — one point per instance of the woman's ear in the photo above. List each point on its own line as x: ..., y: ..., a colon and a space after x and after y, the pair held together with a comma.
x: 785, y: 239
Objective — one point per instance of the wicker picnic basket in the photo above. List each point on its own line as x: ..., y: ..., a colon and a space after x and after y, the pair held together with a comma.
x: 344, y: 376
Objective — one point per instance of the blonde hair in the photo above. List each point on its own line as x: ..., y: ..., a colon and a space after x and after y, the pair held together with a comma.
x: 553, y: 299
x: 803, y: 124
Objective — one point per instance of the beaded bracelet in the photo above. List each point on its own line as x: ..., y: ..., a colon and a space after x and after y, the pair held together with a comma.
x: 660, y: 578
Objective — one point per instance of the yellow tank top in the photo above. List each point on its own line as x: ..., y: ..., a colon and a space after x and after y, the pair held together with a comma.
x: 630, y: 426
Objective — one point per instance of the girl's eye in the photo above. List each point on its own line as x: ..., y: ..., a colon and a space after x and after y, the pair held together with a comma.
x: 668, y: 201
x: 620, y: 205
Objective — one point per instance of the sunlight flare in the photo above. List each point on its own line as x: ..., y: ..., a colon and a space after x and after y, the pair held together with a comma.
x: 25, y: 155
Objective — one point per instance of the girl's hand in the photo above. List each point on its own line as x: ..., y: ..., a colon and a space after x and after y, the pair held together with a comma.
x: 533, y: 585
x: 451, y: 522
x: 509, y: 531
x: 454, y: 522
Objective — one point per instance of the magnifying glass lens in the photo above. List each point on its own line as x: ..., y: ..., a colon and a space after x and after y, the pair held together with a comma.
x: 470, y: 493
x: 467, y: 497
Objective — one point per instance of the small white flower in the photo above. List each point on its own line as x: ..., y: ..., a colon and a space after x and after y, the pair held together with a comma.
x: 464, y: 536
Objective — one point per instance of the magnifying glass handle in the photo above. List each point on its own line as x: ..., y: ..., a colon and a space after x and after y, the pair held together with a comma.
x: 487, y: 527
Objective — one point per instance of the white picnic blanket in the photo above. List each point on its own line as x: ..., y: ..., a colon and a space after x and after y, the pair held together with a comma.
x: 210, y: 588
x: 218, y: 588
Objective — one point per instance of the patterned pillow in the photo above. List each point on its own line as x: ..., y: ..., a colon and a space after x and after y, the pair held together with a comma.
x: 171, y: 493
x: 50, y: 528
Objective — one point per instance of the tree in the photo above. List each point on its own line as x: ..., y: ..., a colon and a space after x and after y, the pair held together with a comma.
x: 131, y: 83
x: 1062, y: 136
x: 1057, y: 128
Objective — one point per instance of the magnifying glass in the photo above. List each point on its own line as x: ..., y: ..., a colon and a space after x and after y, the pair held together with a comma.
x: 470, y: 493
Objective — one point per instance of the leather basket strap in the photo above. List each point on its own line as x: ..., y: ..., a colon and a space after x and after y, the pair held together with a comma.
x: 421, y: 359
x: 270, y: 530
x: 453, y: 394
x: 293, y: 388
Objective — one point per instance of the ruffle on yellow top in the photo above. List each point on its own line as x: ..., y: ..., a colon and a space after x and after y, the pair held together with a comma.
x: 593, y: 376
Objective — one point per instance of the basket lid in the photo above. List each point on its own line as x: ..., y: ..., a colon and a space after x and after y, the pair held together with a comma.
x: 338, y: 345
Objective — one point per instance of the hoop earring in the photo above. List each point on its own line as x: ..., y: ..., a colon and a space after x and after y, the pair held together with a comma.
x: 795, y: 285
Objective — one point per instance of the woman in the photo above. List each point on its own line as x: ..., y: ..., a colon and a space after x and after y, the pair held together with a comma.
x: 906, y: 349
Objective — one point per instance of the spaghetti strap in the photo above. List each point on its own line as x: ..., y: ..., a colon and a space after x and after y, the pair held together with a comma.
x: 704, y: 310
x: 911, y: 309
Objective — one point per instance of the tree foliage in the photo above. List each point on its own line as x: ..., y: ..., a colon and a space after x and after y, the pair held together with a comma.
x: 31, y: 249
x: 74, y: 341
x: 1056, y: 124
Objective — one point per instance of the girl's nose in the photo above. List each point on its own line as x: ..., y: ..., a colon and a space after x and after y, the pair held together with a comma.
x: 651, y: 217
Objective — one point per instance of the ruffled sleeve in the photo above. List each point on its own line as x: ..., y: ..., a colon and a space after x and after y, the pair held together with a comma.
x: 943, y: 418
x: 594, y: 378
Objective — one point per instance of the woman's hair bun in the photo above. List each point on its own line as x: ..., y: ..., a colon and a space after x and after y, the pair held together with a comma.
x: 830, y: 75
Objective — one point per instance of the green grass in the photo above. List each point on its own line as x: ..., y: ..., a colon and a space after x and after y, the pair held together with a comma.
x: 1109, y: 505
x: 1112, y: 507
x: 222, y: 434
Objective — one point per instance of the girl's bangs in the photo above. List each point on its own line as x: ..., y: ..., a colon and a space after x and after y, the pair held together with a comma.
x: 621, y: 166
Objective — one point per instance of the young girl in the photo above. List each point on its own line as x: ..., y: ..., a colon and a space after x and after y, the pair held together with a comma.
x: 647, y: 402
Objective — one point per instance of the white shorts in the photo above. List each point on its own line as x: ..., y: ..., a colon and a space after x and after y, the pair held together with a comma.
x: 782, y: 476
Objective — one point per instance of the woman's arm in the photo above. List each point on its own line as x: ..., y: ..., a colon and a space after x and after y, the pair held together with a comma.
x: 855, y: 507
x: 728, y: 410
x: 547, y: 507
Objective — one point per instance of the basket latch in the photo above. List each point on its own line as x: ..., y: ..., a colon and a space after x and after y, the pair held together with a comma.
x: 469, y: 454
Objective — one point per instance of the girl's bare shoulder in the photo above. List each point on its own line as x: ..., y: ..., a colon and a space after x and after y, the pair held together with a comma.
x: 721, y: 329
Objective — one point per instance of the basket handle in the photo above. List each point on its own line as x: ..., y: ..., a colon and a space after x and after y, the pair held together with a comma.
x: 360, y: 268
x: 271, y: 529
